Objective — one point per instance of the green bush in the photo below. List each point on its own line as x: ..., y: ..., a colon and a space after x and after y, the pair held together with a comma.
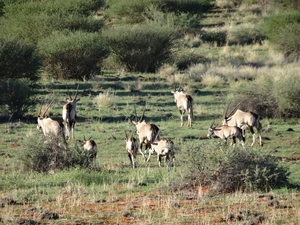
x: 225, y: 168
x: 140, y: 48
x: 63, y: 8
x: 274, y: 98
x: 43, y: 154
x: 282, y: 29
x: 15, y: 95
x: 36, y: 20
x: 287, y: 94
x: 18, y: 59
x: 72, y: 55
x: 244, y: 34
x: 287, y: 41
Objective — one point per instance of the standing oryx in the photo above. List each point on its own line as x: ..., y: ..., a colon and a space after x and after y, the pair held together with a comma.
x: 147, y: 133
x: 69, y: 114
x: 184, y: 104
x: 132, y: 149
x: 164, y: 147
x: 224, y: 132
x: 90, y: 147
x: 51, y: 128
x: 243, y: 120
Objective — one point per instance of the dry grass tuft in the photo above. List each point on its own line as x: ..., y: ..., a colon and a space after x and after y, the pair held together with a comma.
x: 106, y: 99
x: 211, y: 80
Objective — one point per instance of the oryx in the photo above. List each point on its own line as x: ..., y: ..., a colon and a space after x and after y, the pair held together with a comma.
x: 164, y: 148
x: 184, y: 104
x: 69, y: 114
x: 131, y: 148
x: 243, y: 120
x: 224, y: 132
x: 51, y: 128
x: 90, y: 147
x: 147, y: 133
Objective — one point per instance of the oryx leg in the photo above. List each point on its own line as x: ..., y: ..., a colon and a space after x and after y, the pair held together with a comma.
x: 148, y: 146
x: 159, y: 160
x: 189, y: 120
x: 181, y: 117
x: 141, y: 150
x: 132, y: 161
x: 253, y: 135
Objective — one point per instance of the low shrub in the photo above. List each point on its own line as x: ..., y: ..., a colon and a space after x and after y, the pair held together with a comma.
x: 43, y: 154
x: 226, y: 168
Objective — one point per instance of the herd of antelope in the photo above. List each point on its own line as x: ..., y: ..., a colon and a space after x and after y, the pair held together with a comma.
x: 233, y: 127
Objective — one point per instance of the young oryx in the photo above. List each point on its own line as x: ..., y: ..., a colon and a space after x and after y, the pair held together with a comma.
x: 224, y: 132
x: 147, y: 133
x: 243, y: 120
x: 91, y: 147
x: 51, y: 128
x: 69, y: 114
x: 132, y: 149
x: 164, y: 147
x: 184, y: 104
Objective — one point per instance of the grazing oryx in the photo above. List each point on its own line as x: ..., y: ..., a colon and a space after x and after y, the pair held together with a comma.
x: 184, y: 104
x: 224, y: 132
x: 132, y: 149
x: 51, y: 128
x: 164, y: 147
x: 147, y: 133
x: 91, y: 147
x: 243, y: 120
x: 69, y: 114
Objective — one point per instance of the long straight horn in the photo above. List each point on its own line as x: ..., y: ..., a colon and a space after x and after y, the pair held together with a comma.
x: 135, y: 114
x: 234, y: 109
x: 48, y: 107
x: 76, y: 92
x: 84, y: 138
x: 212, y: 124
x: 126, y: 135
x: 225, y: 112
x: 143, y: 114
x: 69, y: 92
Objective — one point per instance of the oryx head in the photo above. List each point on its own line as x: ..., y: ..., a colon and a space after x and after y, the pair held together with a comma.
x: 176, y: 92
x: 137, y: 122
x: 70, y: 100
x: 210, y: 131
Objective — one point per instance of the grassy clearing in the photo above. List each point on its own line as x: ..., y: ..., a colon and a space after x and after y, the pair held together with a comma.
x: 105, y: 195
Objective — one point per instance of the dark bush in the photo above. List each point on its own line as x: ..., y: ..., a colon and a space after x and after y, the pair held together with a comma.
x: 18, y: 59
x: 140, y: 48
x: 186, y: 6
x: 15, y: 96
x: 133, y: 11
x: 225, y: 168
x: 73, y: 55
x: 215, y: 37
